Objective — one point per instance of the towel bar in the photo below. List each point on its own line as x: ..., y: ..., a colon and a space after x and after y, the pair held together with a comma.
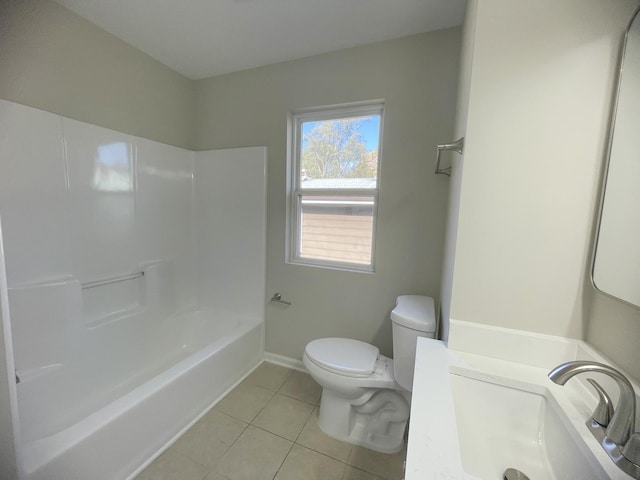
x: 456, y: 146
x: 107, y: 281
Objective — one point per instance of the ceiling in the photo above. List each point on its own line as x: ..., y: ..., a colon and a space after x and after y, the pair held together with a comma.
x: 202, y: 38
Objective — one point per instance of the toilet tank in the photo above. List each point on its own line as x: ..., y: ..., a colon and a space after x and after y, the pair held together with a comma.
x: 414, y: 316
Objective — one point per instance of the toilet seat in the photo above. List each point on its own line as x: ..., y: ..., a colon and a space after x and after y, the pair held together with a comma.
x: 348, y: 365
x: 343, y: 356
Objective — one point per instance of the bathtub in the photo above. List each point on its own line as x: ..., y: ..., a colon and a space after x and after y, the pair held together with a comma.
x: 150, y: 389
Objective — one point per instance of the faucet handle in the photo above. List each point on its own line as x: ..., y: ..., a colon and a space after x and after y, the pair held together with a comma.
x: 604, y: 411
x: 631, y: 450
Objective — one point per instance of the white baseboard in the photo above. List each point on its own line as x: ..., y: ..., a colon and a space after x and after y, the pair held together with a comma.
x: 288, y: 362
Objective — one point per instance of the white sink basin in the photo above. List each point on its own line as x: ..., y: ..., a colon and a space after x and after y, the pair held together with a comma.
x: 489, y: 405
x: 502, y: 427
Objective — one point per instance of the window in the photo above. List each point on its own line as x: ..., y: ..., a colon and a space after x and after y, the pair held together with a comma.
x: 334, y: 165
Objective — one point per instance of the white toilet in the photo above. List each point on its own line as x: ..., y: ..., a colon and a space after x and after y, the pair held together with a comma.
x: 365, y: 395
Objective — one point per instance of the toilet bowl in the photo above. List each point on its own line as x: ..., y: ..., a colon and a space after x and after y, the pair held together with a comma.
x: 365, y: 395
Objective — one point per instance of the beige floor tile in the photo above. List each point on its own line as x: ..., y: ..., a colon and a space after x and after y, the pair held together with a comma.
x: 284, y: 416
x: 209, y: 439
x: 215, y: 476
x: 256, y: 455
x: 388, y: 466
x: 301, y: 387
x: 305, y: 464
x: 315, y: 439
x: 173, y: 466
x: 352, y: 473
x: 244, y: 402
x: 269, y: 376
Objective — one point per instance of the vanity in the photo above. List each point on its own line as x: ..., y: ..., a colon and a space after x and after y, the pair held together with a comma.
x: 494, y: 408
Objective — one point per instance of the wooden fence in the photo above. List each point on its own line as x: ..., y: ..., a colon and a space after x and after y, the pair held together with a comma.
x: 337, y: 237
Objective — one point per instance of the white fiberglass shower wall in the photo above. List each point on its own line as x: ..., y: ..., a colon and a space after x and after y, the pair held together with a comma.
x: 124, y: 258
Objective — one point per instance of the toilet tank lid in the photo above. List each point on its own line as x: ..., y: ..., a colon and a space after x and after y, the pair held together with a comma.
x: 343, y: 355
x: 416, y: 312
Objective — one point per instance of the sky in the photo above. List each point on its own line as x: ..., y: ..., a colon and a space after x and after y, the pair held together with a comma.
x: 369, y: 128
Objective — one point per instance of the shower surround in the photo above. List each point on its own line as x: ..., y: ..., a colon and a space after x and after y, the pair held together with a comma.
x: 135, y: 276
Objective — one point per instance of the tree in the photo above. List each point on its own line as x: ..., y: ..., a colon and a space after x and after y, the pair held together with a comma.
x: 336, y: 149
x: 368, y: 167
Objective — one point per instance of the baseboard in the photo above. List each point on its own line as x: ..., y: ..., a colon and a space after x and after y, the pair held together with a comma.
x: 288, y: 362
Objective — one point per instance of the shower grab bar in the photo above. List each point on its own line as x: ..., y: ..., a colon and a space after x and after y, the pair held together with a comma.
x: 107, y: 281
x: 456, y: 146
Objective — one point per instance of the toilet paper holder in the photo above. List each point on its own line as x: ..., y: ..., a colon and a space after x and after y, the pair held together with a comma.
x: 277, y: 298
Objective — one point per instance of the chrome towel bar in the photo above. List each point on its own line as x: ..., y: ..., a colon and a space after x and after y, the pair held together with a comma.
x: 456, y: 146
x: 107, y: 281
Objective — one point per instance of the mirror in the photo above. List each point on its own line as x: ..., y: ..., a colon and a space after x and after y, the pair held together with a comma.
x: 616, y: 266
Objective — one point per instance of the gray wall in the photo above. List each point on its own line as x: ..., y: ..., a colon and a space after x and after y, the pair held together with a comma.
x: 539, y: 104
x: 457, y: 165
x: 54, y: 60
x: 614, y: 329
x: 542, y: 79
x: 417, y: 77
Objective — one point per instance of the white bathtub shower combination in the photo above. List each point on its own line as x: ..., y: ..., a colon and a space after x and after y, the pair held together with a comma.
x: 136, y: 288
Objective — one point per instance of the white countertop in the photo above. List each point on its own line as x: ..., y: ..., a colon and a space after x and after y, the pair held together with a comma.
x: 434, y: 448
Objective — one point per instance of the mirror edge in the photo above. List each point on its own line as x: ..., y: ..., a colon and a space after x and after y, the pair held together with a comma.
x: 605, y: 173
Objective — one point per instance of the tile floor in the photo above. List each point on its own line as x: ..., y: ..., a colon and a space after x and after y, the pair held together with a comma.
x: 266, y: 429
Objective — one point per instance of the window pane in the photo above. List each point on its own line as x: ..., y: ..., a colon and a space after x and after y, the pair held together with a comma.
x: 337, y: 228
x: 341, y: 153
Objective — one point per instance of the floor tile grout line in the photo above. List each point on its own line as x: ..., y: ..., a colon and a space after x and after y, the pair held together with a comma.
x: 276, y: 434
x: 214, y: 469
x: 179, y: 454
x: 290, y: 396
x: 283, y: 460
x: 322, y: 453
x: 294, y: 388
x: 304, y: 425
x: 261, y: 409
x: 289, y: 372
x: 315, y: 404
x: 315, y: 451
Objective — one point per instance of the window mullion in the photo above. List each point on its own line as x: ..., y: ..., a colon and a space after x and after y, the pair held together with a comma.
x: 354, y: 192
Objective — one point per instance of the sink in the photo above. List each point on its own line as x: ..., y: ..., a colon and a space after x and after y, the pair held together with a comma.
x: 474, y: 416
x: 501, y: 426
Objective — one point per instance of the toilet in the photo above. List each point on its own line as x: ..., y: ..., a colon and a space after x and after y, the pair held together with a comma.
x: 365, y: 395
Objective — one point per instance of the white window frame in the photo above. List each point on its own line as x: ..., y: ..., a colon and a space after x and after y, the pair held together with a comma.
x: 295, y: 192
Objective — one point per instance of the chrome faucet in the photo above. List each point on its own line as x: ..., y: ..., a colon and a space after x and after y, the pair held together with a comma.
x: 614, y: 432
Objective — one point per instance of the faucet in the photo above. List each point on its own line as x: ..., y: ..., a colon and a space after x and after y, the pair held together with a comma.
x: 615, y: 433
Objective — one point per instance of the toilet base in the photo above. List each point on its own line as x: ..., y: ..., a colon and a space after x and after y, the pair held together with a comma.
x: 377, y: 420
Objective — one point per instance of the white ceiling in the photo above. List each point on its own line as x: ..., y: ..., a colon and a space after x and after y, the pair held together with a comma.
x: 202, y: 38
